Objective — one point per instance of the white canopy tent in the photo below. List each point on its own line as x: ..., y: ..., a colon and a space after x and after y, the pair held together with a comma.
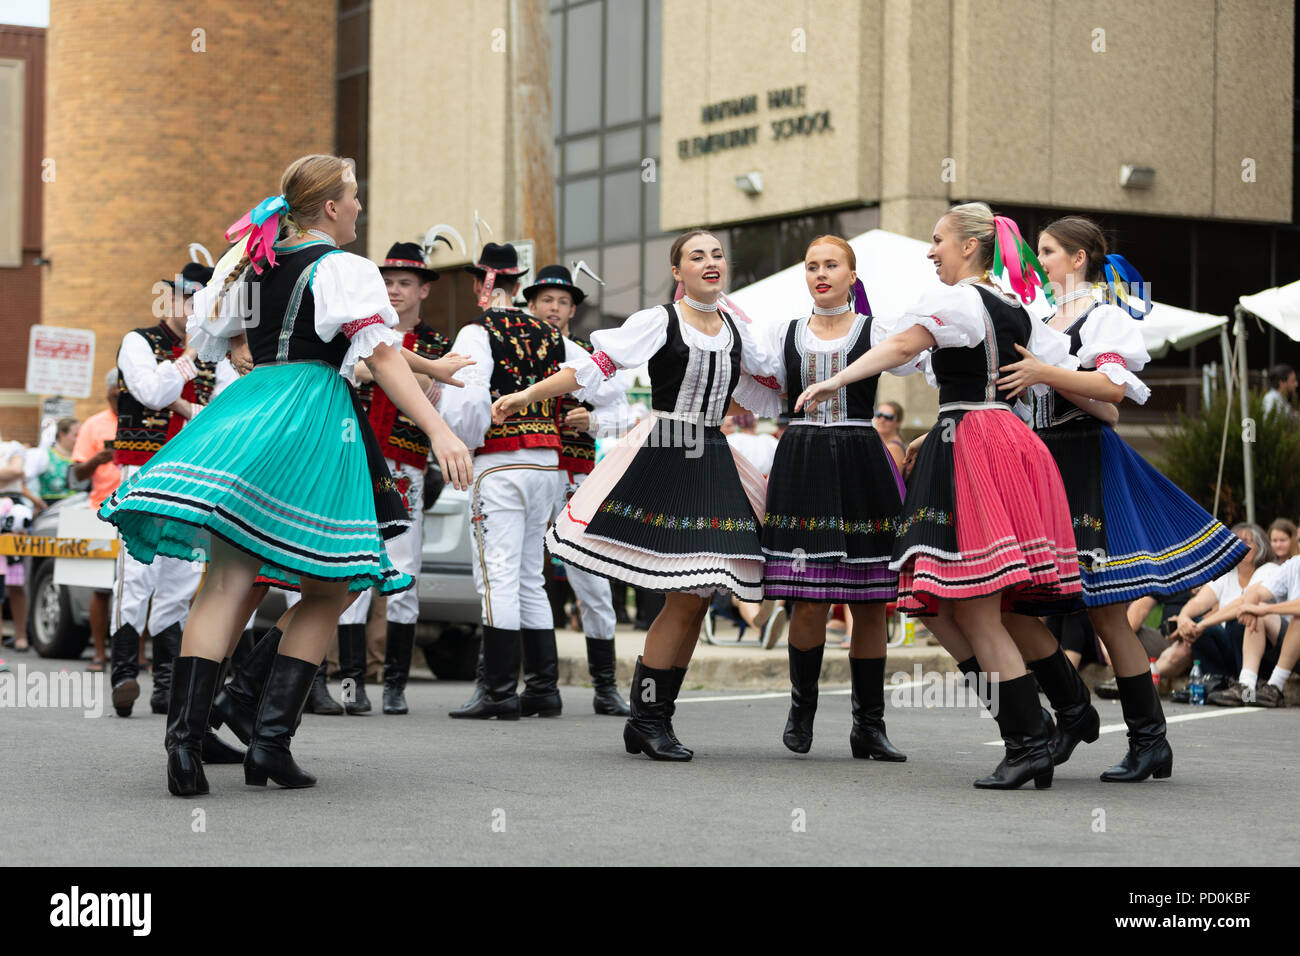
x: 895, y: 271
x: 1280, y: 308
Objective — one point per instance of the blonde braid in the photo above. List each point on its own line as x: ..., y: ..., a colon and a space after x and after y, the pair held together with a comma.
x: 231, y: 278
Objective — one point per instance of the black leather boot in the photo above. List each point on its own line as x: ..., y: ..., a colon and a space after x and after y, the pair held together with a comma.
x: 971, y: 668
x: 166, y: 648
x: 475, y: 698
x: 194, y: 682
x: 216, y: 750
x: 1026, y: 735
x: 601, y: 664
x: 397, y: 666
x: 352, y: 666
x: 236, y: 703
x: 278, y: 713
x: 541, y: 696
x: 319, y: 700
x: 670, y: 704
x: 867, y: 738
x: 125, y: 648
x: 805, y: 671
x: 1077, y: 721
x: 1149, y: 753
x: 500, y: 679
x: 646, y: 730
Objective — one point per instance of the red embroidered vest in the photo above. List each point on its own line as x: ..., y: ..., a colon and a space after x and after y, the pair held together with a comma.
x: 399, y: 437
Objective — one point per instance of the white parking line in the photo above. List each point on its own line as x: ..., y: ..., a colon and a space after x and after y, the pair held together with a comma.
x: 1217, y: 712
x: 786, y: 694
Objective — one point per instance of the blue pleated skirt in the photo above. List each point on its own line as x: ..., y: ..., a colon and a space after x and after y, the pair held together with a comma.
x: 1137, y: 532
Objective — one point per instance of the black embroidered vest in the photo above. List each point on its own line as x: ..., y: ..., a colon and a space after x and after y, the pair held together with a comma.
x: 284, y: 330
x: 694, y: 384
x: 525, y: 349
x: 970, y: 375
x: 805, y: 367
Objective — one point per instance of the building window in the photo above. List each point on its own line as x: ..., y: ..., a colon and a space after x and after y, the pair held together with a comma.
x: 605, y: 75
x: 352, y: 92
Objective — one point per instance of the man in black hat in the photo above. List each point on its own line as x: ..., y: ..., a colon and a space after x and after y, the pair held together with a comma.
x: 406, y: 450
x: 514, y: 489
x: 161, y: 385
x: 554, y: 298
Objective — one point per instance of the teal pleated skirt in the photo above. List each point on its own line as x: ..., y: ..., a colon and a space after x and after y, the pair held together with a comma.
x: 280, y: 465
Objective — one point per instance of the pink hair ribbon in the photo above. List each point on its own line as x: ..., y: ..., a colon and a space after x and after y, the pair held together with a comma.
x: 261, y: 224
x: 1012, y: 254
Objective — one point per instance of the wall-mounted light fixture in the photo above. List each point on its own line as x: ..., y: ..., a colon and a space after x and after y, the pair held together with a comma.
x: 751, y: 184
x: 1137, y: 177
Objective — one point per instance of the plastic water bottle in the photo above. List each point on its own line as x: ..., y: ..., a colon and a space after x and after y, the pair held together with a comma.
x: 1196, y: 689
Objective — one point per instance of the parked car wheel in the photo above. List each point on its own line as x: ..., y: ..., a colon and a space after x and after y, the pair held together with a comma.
x: 51, y: 628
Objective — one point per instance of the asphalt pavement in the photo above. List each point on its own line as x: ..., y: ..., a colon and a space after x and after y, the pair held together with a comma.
x: 424, y: 789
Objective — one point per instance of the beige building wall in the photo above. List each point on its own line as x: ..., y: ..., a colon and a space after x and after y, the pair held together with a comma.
x: 812, y: 44
x: 1023, y: 101
x: 460, y: 120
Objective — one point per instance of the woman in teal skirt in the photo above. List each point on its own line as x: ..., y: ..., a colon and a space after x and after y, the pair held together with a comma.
x: 280, y: 474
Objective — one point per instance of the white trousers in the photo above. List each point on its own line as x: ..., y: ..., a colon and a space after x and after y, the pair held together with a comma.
x: 156, y: 594
x: 510, y: 506
x: 595, y: 600
x: 404, y: 551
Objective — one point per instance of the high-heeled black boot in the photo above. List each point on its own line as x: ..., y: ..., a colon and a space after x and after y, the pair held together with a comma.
x: 601, y: 664
x: 867, y: 739
x: 541, y: 696
x: 236, y: 702
x: 1077, y: 721
x: 670, y: 705
x: 278, y: 713
x: 495, y: 694
x: 805, y: 671
x: 194, y: 682
x: 1026, y: 735
x: 352, y: 666
x: 646, y: 730
x: 971, y: 668
x: 397, y: 666
x: 125, y: 648
x: 1149, y: 753
x: 166, y: 647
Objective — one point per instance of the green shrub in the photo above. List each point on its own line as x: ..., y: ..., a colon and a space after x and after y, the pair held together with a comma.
x: 1191, y: 460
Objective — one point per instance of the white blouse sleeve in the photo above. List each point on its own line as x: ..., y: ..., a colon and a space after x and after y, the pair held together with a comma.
x: 210, y: 334
x: 1052, y: 347
x: 882, y: 329
x: 628, y: 346
x: 154, y: 384
x: 468, y: 410
x: 954, y: 315
x: 1112, y: 342
x: 351, y: 298
x: 762, y: 368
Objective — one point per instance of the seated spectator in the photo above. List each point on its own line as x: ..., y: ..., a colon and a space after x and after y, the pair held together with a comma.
x: 1282, y: 541
x: 1207, y: 629
x: 1281, y: 596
